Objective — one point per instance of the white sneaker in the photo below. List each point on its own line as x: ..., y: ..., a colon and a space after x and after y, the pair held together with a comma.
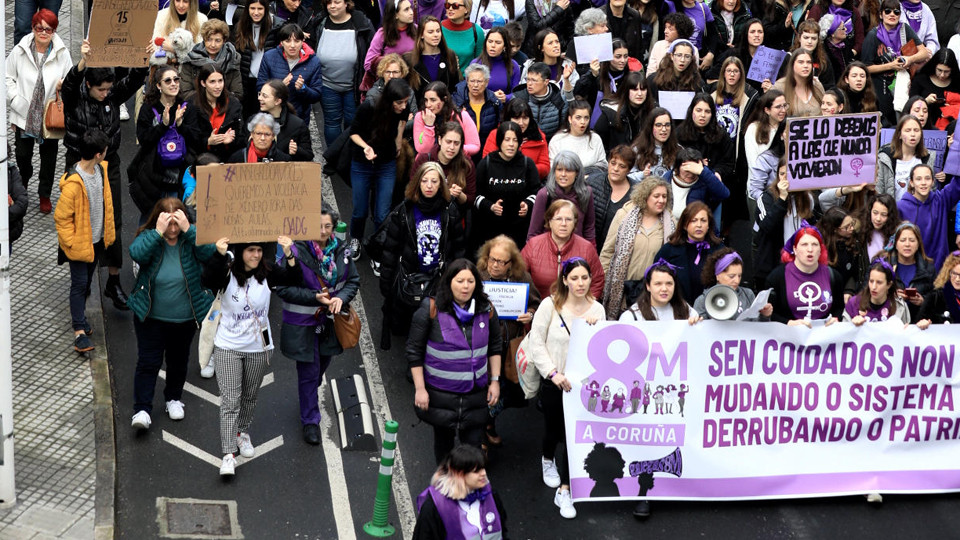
x: 210, y: 370
x: 376, y: 267
x: 354, y: 248
x: 141, y: 420
x: 124, y: 114
x: 175, y: 409
x: 874, y: 498
x: 550, y: 475
x: 229, y: 465
x: 564, y: 501
x: 245, y: 446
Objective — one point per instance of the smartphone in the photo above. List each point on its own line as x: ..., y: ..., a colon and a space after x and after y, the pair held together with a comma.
x: 266, y: 337
x: 911, y: 292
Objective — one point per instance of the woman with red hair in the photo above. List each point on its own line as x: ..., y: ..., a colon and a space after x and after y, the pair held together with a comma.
x: 35, y: 67
x: 805, y: 288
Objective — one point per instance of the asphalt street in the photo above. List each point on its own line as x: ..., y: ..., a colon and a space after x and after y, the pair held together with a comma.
x: 294, y: 490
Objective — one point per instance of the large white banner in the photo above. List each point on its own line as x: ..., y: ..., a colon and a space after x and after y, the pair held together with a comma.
x: 747, y: 410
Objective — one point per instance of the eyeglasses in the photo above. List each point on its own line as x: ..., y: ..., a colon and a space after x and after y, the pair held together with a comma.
x: 263, y: 134
x: 683, y: 56
x: 43, y: 29
x: 393, y: 72
x: 782, y: 107
x: 895, y: 11
x: 661, y: 125
x: 499, y: 262
x: 452, y: 5
x: 170, y: 80
x: 954, y: 275
x: 733, y: 71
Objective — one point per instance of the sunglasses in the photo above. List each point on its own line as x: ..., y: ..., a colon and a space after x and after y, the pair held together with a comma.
x: 170, y: 80
x: 895, y: 11
x: 43, y: 30
x: 452, y: 5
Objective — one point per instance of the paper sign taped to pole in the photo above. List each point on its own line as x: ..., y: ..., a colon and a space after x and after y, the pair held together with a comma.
x: 257, y: 202
x: 120, y: 31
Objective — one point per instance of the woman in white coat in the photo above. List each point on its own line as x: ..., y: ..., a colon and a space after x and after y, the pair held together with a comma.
x: 35, y: 67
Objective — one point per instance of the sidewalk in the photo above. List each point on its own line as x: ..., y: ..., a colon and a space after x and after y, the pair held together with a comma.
x: 57, y: 394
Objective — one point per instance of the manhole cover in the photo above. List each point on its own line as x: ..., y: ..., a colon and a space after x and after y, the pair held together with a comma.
x: 197, y: 518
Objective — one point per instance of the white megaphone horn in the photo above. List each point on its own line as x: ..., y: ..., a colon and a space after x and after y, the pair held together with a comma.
x: 722, y: 303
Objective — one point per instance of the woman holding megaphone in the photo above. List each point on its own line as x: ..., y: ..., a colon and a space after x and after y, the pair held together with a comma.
x: 724, y: 268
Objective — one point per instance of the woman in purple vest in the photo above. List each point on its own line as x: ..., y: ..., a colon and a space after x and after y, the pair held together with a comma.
x: 459, y: 493
x: 330, y: 281
x: 454, y: 356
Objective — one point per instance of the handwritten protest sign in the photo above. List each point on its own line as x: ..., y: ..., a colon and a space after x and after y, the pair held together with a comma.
x: 677, y: 103
x: 256, y: 202
x: 832, y: 151
x: 741, y: 410
x: 509, y: 299
x: 120, y: 31
x: 594, y: 46
x: 933, y: 140
x: 766, y: 64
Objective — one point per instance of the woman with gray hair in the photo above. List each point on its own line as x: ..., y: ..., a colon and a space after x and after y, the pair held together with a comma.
x: 473, y: 96
x: 565, y: 181
x: 636, y: 234
x: 262, y: 148
x: 591, y: 21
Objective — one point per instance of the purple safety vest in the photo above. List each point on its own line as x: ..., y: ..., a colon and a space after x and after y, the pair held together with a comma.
x: 453, y: 365
x: 455, y: 519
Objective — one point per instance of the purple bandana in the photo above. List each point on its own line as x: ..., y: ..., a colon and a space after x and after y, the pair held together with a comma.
x: 701, y: 246
x: 890, y: 38
x: 914, y: 13
x: 840, y: 16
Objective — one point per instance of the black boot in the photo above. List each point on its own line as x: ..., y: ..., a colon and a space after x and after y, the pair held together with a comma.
x: 311, y: 434
x: 114, y: 292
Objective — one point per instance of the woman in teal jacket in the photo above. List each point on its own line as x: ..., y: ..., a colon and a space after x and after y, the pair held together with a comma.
x: 168, y: 303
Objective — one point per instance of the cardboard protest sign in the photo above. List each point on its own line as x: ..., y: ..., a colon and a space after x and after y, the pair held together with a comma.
x: 933, y: 140
x: 832, y: 151
x: 766, y: 64
x: 256, y: 202
x: 595, y: 46
x: 120, y: 31
x: 745, y: 410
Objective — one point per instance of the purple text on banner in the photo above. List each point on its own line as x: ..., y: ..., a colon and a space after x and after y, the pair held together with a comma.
x: 934, y: 141
x: 630, y: 434
x: 832, y: 151
x: 952, y: 163
x: 766, y: 64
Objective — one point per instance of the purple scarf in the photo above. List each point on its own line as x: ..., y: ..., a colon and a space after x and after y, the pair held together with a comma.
x: 890, y: 38
x: 914, y: 13
x: 701, y: 246
x: 841, y: 16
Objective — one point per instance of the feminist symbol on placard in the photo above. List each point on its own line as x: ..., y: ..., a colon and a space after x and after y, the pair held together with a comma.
x: 618, y: 361
x: 857, y: 165
x: 808, y: 293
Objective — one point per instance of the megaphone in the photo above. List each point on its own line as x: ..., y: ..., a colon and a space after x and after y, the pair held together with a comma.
x: 722, y: 303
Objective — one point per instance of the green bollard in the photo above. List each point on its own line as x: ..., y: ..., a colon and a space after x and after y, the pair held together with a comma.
x: 381, y: 506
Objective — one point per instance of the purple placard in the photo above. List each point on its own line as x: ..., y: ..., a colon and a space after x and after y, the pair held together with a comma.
x: 766, y: 64
x: 952, y: 163
x: 832, y: 151
x: 934, y: 140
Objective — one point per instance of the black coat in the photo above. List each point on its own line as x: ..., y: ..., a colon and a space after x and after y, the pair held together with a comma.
x: 935, y: 308
x: 401, y: 242
x: 721, y: 155
x: 18, y: 210
x: 293, y: 128
x: 606, y: 126
x: 83, y: 113
x: 922, y: 281
x: 688, y: 274
x: 233, y: 119
x: 303, y: 16
x: 148, y: 178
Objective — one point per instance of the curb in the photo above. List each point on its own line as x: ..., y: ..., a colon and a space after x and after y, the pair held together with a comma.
x: 106, y: 460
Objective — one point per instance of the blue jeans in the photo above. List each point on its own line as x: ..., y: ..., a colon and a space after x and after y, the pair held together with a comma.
x: 160, y: 342
x: 23, y: 12
x: 338, y: 111
x: 367, y: 176
x: 81, y: 275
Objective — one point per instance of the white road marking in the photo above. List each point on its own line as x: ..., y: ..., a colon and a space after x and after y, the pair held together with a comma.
x: 339, y: 494
x: 207, y: 396
x: 203, y: 455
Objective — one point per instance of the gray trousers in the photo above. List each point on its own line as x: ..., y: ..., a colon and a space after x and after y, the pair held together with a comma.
x: 239, y: 376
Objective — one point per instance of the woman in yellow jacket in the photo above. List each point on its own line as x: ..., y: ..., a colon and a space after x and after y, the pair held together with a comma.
x: 84, y: 217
